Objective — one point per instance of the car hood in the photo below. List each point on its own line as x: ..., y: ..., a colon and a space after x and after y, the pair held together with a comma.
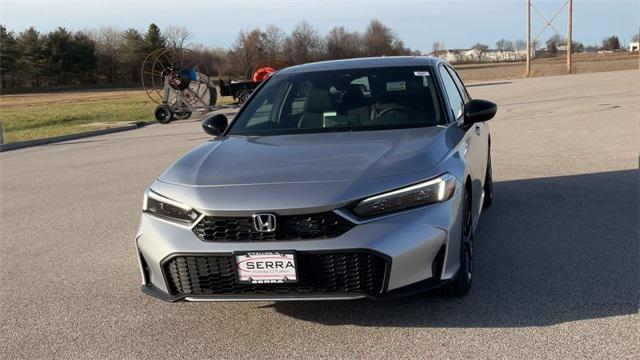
x: 308, y: 158
x: 295, y: 174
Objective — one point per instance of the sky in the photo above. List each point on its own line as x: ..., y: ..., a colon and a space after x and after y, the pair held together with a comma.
x: 459, y: 24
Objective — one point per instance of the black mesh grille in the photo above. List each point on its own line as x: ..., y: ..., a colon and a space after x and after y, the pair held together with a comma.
x: 360, y: 272
x: 295, y: 227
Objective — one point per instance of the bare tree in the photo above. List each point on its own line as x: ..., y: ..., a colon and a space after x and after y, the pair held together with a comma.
x: 520, y: 47
x: 109, y: 43
x: 504, y: 46
x: 247, y: 51
x: 480, y: 50
x: 535, y: 46
x: 399, y: 48
x: 553, y: 43
x: 177, y: 36
x: 379, y: 39
x: 109, y: 54
x: 457, y: 55
x: 611, y: 43
x: 213, y: 59
x: 304, y: 45
x: 438, y: 48
x: 343, y: 44
x: 273, y: 39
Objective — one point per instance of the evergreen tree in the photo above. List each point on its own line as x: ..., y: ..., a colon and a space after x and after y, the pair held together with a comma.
x: 31, y: 60
x: 153, y: 39
x: 8, y: 54
x: 57, y: 48
x: 82, y: 57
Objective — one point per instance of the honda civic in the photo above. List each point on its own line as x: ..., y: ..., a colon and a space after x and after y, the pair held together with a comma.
x: 335, y: 180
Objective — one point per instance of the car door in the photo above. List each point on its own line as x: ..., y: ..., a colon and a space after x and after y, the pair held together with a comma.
x: 472, y: 137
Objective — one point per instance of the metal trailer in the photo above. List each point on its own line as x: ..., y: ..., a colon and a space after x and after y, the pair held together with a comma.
x: 178, y: 81
x: 238, y: 89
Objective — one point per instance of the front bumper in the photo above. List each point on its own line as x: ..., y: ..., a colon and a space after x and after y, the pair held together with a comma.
x: 419, y: 248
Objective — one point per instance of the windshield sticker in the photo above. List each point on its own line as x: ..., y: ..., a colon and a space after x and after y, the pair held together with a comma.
x: 396, y: 86
x: 421, y: 73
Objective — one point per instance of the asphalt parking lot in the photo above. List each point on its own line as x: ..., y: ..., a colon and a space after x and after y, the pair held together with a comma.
x: 557, y: 256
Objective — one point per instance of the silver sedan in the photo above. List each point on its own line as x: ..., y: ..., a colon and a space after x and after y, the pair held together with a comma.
x: 336, y: 180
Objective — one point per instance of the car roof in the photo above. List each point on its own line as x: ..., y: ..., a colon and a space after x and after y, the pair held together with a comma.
x: 359, y: 63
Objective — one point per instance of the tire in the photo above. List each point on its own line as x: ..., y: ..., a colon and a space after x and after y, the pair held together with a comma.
x: 163, y: 113
x: 488, y: 185
x: 461, y: 284
x: 243, y: 96
x: 213, y: 96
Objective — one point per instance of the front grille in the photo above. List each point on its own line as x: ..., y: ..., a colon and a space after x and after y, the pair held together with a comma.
x: 319, y: 273
x: 293, y: 227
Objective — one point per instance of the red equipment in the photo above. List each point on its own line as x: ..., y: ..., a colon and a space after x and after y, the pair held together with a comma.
x: 262, y: 73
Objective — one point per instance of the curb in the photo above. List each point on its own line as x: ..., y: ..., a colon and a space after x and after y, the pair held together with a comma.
x: 55, y: 139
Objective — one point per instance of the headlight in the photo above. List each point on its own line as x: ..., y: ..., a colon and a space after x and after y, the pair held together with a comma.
x: 162, y: 207
x: 432, y: 191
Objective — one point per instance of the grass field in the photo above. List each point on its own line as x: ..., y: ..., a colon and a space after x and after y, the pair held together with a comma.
x: 33, y: 116
x: 36, y: 116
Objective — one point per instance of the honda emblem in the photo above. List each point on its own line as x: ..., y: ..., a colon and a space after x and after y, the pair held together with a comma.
x: 265, y: 223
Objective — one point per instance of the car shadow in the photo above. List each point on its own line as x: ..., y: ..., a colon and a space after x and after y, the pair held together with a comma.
x: 549, y: 250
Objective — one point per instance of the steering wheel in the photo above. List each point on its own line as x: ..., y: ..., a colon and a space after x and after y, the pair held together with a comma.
x: 399, y: 108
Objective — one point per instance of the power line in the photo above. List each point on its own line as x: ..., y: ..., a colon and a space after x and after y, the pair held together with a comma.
x: 549, y: 24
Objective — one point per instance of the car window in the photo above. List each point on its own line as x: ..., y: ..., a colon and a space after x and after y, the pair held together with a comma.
x: 263, y: 113
x: 342, y: 100
x: 453, y: 96
x: 459, y: 84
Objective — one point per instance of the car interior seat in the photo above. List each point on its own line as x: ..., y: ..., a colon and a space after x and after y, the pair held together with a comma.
x: 355, y: 104
x: 318, y: 102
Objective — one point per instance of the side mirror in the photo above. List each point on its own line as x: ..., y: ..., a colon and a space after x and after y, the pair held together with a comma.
x: 215, y: 125
x: 478, y: 111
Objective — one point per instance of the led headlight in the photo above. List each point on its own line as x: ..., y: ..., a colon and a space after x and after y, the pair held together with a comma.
x: 435, y: 190
x: 168, y: 209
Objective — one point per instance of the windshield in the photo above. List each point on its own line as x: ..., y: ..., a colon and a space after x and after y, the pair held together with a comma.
x: 342, y: 100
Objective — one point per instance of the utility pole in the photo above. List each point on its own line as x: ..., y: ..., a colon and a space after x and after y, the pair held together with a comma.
x: 528, y: 70
x: 569, y: 40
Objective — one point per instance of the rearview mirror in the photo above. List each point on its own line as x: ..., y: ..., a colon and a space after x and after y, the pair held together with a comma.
x: 479, y: 110
x: 215, y: 125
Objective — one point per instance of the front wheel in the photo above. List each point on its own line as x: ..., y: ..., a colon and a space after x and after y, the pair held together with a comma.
x: 461, y: 284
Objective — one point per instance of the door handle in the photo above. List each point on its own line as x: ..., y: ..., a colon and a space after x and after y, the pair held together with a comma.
x: 477, y: 129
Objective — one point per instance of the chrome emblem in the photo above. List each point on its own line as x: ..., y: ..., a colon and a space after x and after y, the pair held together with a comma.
x: 265, y: 223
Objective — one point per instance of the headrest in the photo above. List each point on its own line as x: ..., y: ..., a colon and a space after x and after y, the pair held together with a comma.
x: 318, y: 101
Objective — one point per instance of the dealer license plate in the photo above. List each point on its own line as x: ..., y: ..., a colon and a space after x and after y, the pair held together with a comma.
x: 266, y: 267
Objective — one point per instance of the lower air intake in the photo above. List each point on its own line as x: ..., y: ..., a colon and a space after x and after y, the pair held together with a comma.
x: 318, y: 273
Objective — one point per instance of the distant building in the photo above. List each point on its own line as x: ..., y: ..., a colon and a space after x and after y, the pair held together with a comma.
x: 472, y: 55
x: 634, y: 46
